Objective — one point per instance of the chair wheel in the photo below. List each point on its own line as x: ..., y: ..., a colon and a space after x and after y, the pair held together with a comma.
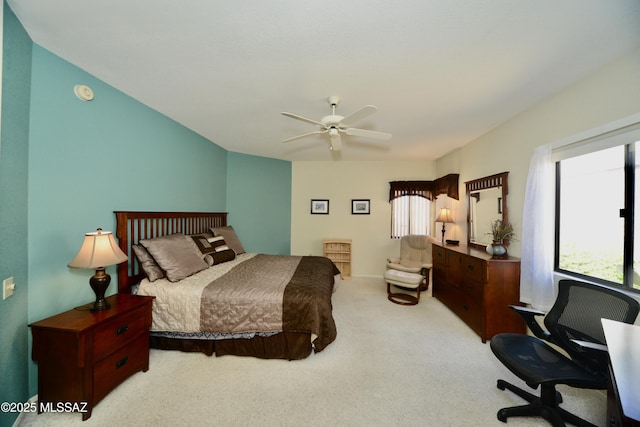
x: 502, y: 416
x: 500, y: 385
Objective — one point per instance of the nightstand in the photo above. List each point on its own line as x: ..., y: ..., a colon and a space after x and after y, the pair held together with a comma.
x: 83, y: 355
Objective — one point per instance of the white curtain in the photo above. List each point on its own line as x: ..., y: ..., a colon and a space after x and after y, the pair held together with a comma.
x: 537, y: 286
x: 409, y: 215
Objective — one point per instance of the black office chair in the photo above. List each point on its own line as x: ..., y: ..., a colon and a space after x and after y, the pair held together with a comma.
x: 574, y: 325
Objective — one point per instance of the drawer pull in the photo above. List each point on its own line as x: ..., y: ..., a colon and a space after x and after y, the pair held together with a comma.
x: 466, y: 307
x: 470, y: 267
x: 120, y: 363
x: 469, y: 288
x: 122, y: 330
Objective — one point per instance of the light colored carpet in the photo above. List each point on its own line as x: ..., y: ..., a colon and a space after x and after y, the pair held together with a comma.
x: 391, y: 365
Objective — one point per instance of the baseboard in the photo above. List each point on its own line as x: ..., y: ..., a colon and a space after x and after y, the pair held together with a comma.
x: 368, y: 276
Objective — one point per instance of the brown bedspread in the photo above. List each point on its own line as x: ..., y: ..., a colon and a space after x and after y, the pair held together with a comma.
x: 273, y: 293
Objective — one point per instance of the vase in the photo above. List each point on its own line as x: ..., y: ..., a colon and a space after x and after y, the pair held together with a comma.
x: 498, y: 249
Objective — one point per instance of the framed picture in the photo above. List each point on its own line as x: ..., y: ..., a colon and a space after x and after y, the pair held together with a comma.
x: 360, y: 207
x: 319, y: 207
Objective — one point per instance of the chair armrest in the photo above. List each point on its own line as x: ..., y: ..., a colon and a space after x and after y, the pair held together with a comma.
x: 424, y: 270
x: 529, y: 316
x: 590, y: 345
x: 529, y: 311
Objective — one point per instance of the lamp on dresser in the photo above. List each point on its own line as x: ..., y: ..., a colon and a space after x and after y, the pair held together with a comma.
x: 99, y: 250
x: 445, y: 218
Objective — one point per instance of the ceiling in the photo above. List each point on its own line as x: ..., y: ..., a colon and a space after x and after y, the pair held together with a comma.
x: 441, y: 72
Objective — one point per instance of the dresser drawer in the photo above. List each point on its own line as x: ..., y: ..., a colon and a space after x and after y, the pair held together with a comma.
x: 118, y: 332
x: 120, y: 365
x: 439, y: 255
x: 470, y: 311
x: 472, y: 289
x: 472, y: 268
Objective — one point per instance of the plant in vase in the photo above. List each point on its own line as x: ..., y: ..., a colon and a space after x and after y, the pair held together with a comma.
x: 501, y: 233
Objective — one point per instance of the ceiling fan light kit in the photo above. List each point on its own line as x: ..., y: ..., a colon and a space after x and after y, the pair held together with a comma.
x: 334, y: 125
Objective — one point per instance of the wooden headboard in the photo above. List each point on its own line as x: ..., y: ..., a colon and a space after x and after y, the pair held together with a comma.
x: 132, y: 227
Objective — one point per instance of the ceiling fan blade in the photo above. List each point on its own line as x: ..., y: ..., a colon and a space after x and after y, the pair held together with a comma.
x: 367, y: 133
x: 365, y: 111
x: 336, y: 142
x: 303, y: 135
x: 304, y: 119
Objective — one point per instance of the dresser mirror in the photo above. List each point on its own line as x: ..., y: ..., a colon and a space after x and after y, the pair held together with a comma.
x: 486, y: 202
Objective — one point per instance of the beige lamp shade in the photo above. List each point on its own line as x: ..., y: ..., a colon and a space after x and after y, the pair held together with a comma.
x: 99, y: 249
x: 444, y: 216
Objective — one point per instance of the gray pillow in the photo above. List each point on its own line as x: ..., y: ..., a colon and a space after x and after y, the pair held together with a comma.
x: 230, y: 237
x: 176, y: 254
x: 148, y: 264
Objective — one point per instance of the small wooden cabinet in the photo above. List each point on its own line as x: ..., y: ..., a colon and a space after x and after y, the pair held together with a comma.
x: 339, y: 251
x: 83, y: 355
x: 478, y: 288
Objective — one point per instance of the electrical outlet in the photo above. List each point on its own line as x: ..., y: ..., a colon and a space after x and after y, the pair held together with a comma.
x: 7, y: 288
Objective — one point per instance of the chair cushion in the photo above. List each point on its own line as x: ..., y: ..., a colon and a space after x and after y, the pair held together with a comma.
x: 535, y: 362
x: 415, y: 250
x: 403, y: 278
x: 400, y: 267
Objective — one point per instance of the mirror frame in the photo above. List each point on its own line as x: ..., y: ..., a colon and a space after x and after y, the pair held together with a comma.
x: 491, y: 181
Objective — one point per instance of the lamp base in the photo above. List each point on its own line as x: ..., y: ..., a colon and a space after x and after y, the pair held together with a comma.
x: 99, y: 283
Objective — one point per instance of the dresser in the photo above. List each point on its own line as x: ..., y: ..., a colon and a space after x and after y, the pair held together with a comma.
x: 478, y: 288
x: 339, y: 251
x: 83, y: 355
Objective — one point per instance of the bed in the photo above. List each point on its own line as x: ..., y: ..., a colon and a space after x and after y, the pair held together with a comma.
x: 244, y: 304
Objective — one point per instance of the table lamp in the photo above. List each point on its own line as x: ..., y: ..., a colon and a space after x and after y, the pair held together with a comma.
x: 444, y: 217
x: 99, y: 250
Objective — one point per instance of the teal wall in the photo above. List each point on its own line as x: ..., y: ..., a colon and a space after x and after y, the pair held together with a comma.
x: 16, y: 73
x: 67, y: 164
x: 89, y: 158
x: 259, y: 202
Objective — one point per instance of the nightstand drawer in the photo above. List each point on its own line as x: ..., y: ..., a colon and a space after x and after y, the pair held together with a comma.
x: 117, y: 332
x: 120, y: 365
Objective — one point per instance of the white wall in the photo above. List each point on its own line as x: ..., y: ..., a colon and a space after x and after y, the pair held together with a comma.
x: 340, y: 182
x: 603, y: 97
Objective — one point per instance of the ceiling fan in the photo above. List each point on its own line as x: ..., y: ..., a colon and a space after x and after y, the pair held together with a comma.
x: 334, y: 124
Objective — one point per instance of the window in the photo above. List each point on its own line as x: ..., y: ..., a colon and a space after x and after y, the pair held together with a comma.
x: 409, y: 215
x: 596, y: 210
x: 411, y: 203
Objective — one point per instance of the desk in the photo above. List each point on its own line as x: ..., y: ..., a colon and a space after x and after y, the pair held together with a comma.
x: 623, y: 394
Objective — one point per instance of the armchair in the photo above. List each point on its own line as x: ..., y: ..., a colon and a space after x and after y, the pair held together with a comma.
x: 411, y: 269
x: 574, y: 325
